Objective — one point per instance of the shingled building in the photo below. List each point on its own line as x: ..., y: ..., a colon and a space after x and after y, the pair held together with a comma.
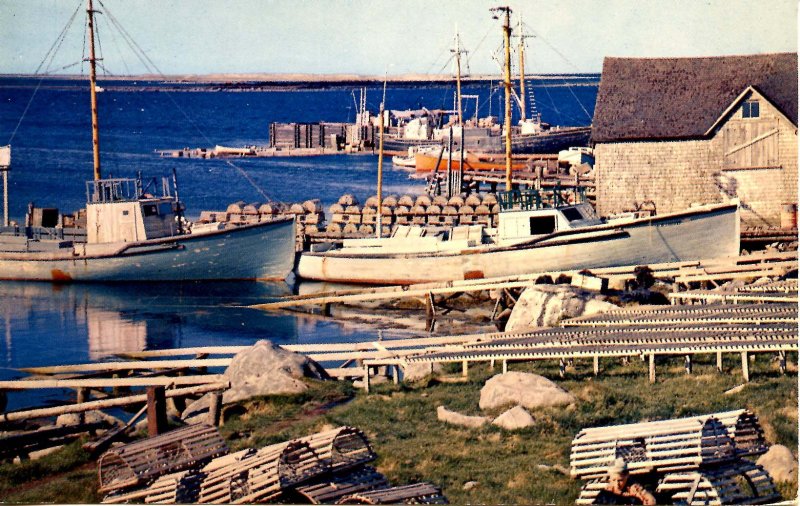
x: 671, y: 132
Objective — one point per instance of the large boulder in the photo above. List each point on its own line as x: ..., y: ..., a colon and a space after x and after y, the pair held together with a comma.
x: 418, y: 371
x: 455, y: 418
x: 524, y: 389
x: 262, y: 369
x: 70, y: 419
x: 548, y: 305
x: 515, y: 418
x: 779, y: 463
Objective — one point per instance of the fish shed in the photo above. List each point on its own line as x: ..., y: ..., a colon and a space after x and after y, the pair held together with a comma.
x: 670, y: 132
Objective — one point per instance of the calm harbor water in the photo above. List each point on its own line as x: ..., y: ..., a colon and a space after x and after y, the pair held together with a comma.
x: 46, y: 324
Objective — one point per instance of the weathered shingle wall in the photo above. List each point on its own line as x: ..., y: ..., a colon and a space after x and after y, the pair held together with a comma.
x: 675, y: 174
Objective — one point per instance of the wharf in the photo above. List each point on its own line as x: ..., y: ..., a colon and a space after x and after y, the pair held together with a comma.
x: 253, y: 152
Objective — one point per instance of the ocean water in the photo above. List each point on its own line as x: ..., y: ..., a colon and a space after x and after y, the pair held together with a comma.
x: 46, y: 324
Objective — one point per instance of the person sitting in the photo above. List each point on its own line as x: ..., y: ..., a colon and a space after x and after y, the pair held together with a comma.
x: 621, y: 490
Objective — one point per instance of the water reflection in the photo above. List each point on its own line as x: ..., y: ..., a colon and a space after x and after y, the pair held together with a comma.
x: 46, y: 324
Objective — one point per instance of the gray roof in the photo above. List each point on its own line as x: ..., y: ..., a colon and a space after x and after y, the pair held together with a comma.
x: 679, y: 98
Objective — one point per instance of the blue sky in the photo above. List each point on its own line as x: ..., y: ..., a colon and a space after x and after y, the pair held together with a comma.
x: 375, y: 36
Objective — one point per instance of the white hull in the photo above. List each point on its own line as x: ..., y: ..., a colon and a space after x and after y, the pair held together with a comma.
x: 263, y: 251
x: 708, y: 232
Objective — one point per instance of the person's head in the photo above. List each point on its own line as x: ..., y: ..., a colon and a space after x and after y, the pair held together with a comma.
x: 618, y: 474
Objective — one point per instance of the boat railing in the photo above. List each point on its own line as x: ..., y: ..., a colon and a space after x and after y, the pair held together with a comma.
x: 72, y: 234
x: 532, y: 199
x: 112, y: 190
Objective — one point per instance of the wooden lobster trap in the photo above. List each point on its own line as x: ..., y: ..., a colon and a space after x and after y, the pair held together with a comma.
x: 330, y: 490
x: 341, y: 448
x: 138, y: 463
x: 417, y: 493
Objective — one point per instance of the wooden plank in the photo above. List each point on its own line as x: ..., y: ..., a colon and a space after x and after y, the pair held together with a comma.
x: 128, y: 366
x: 113, y: 382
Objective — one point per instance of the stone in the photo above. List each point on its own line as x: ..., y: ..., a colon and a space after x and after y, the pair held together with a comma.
x: 548, y: 305
x: 89, y: 417
x: 735, y: 390
x: 260, y: 370
x: 452, y: 417
x: 415, y: 372
x: 524, y: 389
x: 469, y: 485
x: 515, y: 418
x: 779, y: 463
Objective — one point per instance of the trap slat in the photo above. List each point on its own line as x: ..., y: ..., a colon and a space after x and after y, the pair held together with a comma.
x: 328, y: 491
x: 341, y: 448
x: 418, y: 493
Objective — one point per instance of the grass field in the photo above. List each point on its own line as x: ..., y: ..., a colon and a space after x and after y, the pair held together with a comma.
x: 511, y: 467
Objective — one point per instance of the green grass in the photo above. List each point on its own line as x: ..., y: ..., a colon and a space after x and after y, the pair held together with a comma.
x: 510, y: 466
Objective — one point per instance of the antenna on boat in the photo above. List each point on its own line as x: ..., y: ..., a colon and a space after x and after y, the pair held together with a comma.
x: 507, y: 85
x: 93, y: 92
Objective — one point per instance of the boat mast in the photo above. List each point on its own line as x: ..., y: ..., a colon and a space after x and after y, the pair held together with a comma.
x: 378, y: 217
x: 521, y: 72
x: 93, y: 92
x: 507, y: 85
x: 457, y: 52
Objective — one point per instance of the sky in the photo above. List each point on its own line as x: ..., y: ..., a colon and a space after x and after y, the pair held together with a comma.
x: 377, y: 37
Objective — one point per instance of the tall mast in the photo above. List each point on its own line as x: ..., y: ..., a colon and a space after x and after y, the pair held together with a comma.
x: 521, y: 71
x: 93, y: 92
x: 457, y: 52
x: 507, y: 85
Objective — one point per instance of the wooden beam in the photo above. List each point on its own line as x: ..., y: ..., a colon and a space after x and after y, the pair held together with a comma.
x: 128, y: 366
x: 106, y: 403
x: 745, y: 367
x: 156, y: 411
x: 113, y: 382
x: 652, y: 368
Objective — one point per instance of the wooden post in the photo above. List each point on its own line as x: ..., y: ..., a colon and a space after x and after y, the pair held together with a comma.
x: 82, y: 396
x: 491, y: 365
x: 396, y: 374
x: 465, y: 368
x: 326, y: 309
x: 719, y: 361
x: 562, y: 367
x: 687, y: 364
x: 505, y: 366
x: 215, y: 409
x: 156, y: 411
x: 782, y: 361
x: 745, y: 367
x: 366, y: 378
x: 652, y: 368
x: 596, y: 361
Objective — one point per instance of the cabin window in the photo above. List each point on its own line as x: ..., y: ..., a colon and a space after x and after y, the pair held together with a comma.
x: 124, y: 213
x: 165, y: 209
x: 150, y: 210
x: 750, y: 109
x: 572, y: 214
x: 542, y: 224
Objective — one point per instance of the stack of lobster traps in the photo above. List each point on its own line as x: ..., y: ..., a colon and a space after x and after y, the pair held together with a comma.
x: 193, y: 465
x: 700, y: 460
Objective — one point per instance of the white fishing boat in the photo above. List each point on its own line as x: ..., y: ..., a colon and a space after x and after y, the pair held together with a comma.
x: 528, y: 239
x: 532, y: 235
x: 132, y: 235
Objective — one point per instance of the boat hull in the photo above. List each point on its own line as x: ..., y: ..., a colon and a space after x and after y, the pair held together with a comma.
x: 263, y: 251
x: 424, y: 162
x: 711, y: 232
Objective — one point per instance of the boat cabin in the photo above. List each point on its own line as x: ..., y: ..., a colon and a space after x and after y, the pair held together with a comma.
x: 117, y: 210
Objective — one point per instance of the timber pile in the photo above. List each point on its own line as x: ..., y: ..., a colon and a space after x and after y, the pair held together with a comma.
x: 695, y: 460
x: 322, y: 468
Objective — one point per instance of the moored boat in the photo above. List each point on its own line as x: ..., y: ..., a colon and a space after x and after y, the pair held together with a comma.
x: 428, y: 161
x: 132, y: 235
x: 529, y: 238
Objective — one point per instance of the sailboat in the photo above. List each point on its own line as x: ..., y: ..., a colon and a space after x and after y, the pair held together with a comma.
x: 537, y: 231
x: 134, y: 235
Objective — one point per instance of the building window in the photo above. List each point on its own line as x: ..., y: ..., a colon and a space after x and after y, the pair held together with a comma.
x: 750, y: 109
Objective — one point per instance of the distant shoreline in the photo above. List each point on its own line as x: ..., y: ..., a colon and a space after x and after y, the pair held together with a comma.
x: 278, y: 79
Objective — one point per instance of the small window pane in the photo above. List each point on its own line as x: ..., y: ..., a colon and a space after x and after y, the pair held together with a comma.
x: 542, y: 224
x: 754, y: 109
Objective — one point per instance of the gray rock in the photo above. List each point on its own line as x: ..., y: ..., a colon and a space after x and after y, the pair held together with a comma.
x: 515, y: 418
x: 89, y: 417
x: 469, y: 485
x: 548, y: 305
x: 452, y: 417
x: 779, y: 463
x: 262, y: 369
x: 416, y: 372
x: 524, y: 389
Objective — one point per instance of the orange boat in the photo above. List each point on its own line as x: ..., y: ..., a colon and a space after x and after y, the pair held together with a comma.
x: 426, y: 162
